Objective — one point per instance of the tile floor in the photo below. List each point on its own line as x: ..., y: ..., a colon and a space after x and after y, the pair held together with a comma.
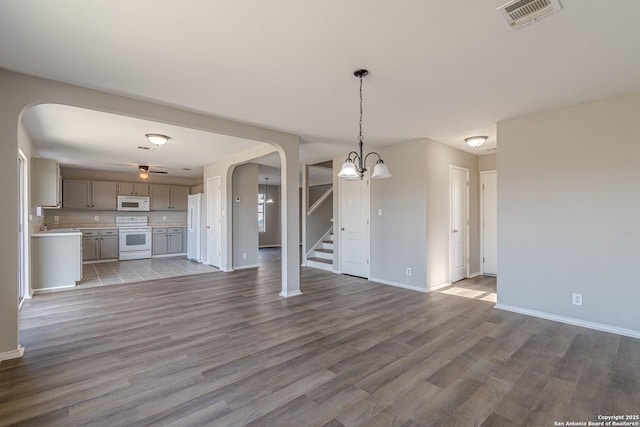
x: 116, y: 272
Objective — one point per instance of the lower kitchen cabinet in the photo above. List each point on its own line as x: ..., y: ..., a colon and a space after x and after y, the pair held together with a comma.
x: 56, y: 259
x: 99, y: 244
x: 167, y: 240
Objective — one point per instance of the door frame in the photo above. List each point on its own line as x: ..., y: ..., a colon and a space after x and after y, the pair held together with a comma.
x: 208, y: 223
x: 24, y: 280
x: 466, y: 221
x: 482, y: 175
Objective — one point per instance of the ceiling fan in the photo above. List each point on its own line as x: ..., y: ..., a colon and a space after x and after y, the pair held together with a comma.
x: 144, y: 171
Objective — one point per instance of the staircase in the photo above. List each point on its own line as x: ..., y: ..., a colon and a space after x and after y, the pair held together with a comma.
x: 321, y: 256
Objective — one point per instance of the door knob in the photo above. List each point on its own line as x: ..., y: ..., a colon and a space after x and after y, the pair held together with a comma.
x: 454, y: 231
x: 342, y: 229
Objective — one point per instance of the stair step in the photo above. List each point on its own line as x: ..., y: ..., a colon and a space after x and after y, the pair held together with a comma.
x: 330, y: 242
x: 326, y: 251
x: 321, y: 260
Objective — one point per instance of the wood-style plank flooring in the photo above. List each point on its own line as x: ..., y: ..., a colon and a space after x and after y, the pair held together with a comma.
x: 224, y: 349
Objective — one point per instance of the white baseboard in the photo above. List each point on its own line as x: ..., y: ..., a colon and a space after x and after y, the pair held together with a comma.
x: 570, y: 320
x: 397, y: 285
x: 225, y: 270
x: 244, y: 267
x: 285, y: 294
x: 57, y: 288
x: 439, y: 286
x: 476, y: 274
x: 13, y: 354
x: 167, y: 255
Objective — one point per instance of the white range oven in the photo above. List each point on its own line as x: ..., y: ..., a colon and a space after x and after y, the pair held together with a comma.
x: 134, y: 236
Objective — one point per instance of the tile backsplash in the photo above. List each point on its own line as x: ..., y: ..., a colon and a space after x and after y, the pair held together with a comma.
x: 75, y: 217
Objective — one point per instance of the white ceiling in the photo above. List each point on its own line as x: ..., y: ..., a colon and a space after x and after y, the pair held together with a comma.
x: 103, y: 141
x: 438, y: 69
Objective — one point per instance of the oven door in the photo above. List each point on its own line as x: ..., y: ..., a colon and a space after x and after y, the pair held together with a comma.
x: 135, y: 240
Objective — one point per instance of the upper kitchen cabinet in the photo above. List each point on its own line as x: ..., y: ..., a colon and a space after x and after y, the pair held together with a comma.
x: 84, y: 194
x: 168, y: 197
x: 45, y: 183
x: 133, y: 189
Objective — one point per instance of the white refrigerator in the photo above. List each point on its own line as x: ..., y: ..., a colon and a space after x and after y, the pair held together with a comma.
x: 195, y: 222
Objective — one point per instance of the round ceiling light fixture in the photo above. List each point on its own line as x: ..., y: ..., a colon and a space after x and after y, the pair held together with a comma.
x: 476, y: 141
x: 157, y: 138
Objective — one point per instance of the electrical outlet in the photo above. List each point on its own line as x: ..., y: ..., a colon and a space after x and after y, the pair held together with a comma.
x: 56, y: 218
x: 244, y: 255
x: 96, y: 218
x: 164, y: 217
x: 577, y: 299
x: 408, y: 271
x: 379, y: 212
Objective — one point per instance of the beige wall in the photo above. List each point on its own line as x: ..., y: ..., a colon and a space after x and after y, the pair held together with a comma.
x: 413, y: 230
x: 439, y: 159
x: 245, y: 216
x: 569, y: 210
x: 487, y: 163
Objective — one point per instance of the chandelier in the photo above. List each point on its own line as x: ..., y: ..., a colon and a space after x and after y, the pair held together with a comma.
x: 355, y: 165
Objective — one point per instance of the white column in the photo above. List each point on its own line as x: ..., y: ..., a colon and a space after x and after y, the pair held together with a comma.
x: 289, y: 155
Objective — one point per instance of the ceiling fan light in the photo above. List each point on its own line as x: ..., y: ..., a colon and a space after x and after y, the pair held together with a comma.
x: 348, y: 170
x: 157, y: 139
x: 143, y: 175
x: 380, y: 171
x: 476, y: 141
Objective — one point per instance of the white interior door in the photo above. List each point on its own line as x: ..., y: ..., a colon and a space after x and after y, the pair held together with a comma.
x: 489, y: 213
x: 354, y: 227
x: 213, y: 222
x: 459, y: 223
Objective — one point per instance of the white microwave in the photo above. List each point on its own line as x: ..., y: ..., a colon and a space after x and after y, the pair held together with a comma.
x: 133, y: 203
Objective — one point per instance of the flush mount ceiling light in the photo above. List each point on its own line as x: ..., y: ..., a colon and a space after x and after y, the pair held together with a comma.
x: 157, y: 139
x: 351, y: 170
x: 476, y: 141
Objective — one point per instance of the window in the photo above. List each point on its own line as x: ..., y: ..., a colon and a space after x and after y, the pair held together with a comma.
x: 262, y: 226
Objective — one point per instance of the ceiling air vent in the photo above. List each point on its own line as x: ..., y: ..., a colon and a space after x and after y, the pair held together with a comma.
x: 519, y: 13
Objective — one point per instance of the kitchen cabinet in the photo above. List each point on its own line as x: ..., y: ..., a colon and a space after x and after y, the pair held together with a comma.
x: 168, y: 197
x: 133, y: 189
x: 46, y: 188
x: 57, y: 259
x: 109, y: 244
x: 86, y: 194
x: 167, y: 241
x: 99, y: 244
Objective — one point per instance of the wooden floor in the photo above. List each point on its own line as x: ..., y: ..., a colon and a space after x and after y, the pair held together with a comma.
x: 224, y: 349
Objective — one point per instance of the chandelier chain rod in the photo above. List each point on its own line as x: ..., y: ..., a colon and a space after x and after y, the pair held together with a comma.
x: 360, y: 137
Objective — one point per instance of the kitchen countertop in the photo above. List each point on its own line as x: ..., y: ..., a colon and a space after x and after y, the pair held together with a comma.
x: 94, y: 226
x: 57, y: 232
x: 79, y: 225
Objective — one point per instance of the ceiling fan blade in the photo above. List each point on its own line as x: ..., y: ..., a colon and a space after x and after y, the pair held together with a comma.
x: 162, y: 172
